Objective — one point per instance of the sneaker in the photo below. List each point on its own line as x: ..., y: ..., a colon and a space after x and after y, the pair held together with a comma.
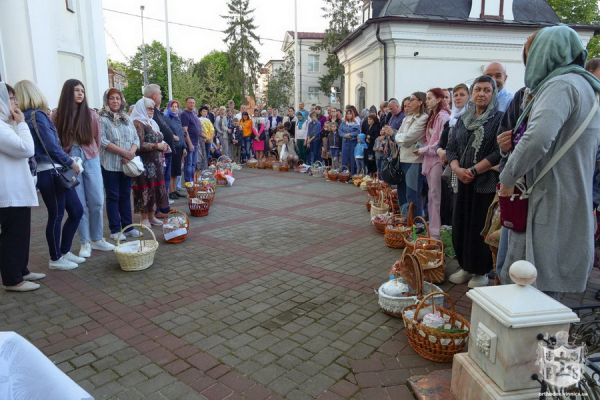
x: 62, y: 264
x: 86, y: 250
x: 73, y: 258
x: 102, y: 245
x: 34, y: 276
x: 117, y: 236
x: 171, y: 201
x: 460, y: 276
x: 155, y: 221
x: 478, y: 280
x: 173, y: 196
x: 178, y: 194
x: 25, y: 287
x: 134, y: 233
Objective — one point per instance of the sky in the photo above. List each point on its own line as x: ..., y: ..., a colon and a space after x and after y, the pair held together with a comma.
x: 123, y: 33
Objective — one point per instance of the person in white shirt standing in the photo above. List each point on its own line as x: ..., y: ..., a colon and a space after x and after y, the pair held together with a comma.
x: 497, y: 72
x: 17, y: 196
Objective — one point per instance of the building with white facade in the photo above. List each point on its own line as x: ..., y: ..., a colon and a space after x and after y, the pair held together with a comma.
x: 311, y: 68
x: 264, y: 76
x: 405, y: 46
x: 50, y: 41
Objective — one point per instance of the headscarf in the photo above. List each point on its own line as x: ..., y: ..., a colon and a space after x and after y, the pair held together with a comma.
x: 168, y: 112
x: 555, y: 51
x: 456, y: 114
x: 475, y: 122
x: 300, y: 122
x: 140, y: 113
x: 4, y: 104
x: 119, y: 116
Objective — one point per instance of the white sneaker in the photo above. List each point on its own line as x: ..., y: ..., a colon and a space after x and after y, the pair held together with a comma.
x: 117, y: 236
x: 25, y: 287
x: 34, y: 276
x: 62, y: 264
x: 134, y: 233
x: 171, y: 201
x: 478, y: 280
x: 73, y: 258
x: 460, y: 276
x: 86, y: 250
x: 102, y: 245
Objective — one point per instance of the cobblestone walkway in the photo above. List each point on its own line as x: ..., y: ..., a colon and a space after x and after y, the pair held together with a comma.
x: 271, y: 296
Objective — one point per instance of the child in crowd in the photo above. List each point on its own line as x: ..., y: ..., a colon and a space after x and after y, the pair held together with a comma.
x: 278, y: 137
x: 313, y: 139
x: 236, y: 139
x: 359, y: 153
x: 215, y: 148
x: 324, y: 139
x: 381, y: 150
x: 334, y: 142
x: 288, y: 151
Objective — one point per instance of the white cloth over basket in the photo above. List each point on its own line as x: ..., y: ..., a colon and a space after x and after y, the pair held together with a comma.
x: 26, y: 373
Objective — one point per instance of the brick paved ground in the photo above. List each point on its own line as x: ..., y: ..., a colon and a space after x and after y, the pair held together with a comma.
x: 271, y: 296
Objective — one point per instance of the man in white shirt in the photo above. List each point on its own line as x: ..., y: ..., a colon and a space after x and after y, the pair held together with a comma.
x: 239, y: 115
x: 496, y: 71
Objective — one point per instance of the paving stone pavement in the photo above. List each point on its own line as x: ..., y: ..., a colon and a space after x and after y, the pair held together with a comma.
x: 271, y: 296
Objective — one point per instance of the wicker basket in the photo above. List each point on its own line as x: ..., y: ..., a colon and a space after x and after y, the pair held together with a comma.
x: 430, y: 253
x: 379, y: 207
x: 344, y: 174
x: 198, y: 208
x: 379, y: 223
x: 430, y: 343
x: 275, y: 166
x: 298, y: 168
x: 284, y: 167
x: 374, y: 186
x: 252, y: 163
x: 140, y: 260
x: 262, y: 163
x: 410, y: 241
x: 357, y: 178
x: 395, y: 305
x: 396, y: 234
x: 194, y: 186
x: 177, y: 230
x: 206, y: 194
x: 317, y: 169
x: 331, y: 174
x: 271, y: 158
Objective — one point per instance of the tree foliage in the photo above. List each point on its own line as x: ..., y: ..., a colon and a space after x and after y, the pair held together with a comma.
x: 344, y: 17
x: 242, y: 55
x: 156, y: 55
x: 280, y: 87
x: 579, y: 12
x: 186, y: 83
x: 213, y: 71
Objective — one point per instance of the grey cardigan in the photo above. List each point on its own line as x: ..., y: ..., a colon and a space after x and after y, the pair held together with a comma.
x: 559, y: 239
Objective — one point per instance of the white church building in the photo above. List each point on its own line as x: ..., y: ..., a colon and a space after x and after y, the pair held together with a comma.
x: 50, y: 41
x: 405, y: 46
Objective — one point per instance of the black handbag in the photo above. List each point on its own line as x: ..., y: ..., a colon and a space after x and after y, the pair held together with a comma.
x: 65, y: 178
x: 391, y: 171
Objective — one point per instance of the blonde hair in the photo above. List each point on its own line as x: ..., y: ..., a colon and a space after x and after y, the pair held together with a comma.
x: 30, y: 96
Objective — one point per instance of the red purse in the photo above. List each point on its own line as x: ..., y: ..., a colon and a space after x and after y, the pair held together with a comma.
x: 513, y: 209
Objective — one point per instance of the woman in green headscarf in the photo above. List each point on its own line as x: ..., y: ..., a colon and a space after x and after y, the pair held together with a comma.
x: 559, y: 236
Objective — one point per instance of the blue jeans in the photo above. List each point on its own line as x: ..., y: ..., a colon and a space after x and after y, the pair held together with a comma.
x: 409, y: 191
x: 348, y: 154
x: 117, y: 186
x: 56, y: 203
x: 246, y: 148
x: 502, y: 250
x: 207, y: 147
x: 360, y: 164
x: 190, y: 164
x: 379, y: 162
x: 91, y: 195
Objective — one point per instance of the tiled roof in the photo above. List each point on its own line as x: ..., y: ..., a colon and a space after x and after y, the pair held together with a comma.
x: 308, y: 35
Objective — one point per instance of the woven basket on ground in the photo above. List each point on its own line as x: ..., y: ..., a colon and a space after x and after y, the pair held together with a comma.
x: 143, y: 258
x: 261, y: 164
x: 298, y: 168
x: 410, y: 241
x: 344, y: 174
x: 198, y: 207
x: 284, y: 167
x: 395, y: 235
x: 317, y: 169
x: 206, y: 194
x: 271, y: 158
x: 430, y: 253
x: 252, y: 163
x: 378, y: 206
x: 358, y: 177
x: 430, y: 343
x: 275, y: 166
x: 176, y: 226
x: 380, y: 221
x: 331, y: 174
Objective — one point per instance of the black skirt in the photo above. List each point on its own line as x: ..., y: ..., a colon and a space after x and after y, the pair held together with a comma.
x: 176, y: 157
x: 470, y: 213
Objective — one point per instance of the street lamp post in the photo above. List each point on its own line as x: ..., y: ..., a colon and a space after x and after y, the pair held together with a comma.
x: 144, y: 50
x: 296, y: 73
x: 168, y: 52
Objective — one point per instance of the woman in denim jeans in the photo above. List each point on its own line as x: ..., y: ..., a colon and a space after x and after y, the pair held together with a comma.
x: 118, y: 146
x: 34, y: 103
x: 79, y: 134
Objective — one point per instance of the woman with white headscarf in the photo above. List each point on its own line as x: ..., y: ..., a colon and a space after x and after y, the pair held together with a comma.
x: 149, y: 190
x: 17, y: 196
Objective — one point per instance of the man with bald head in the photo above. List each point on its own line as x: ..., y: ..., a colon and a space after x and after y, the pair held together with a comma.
x: 497, y: 72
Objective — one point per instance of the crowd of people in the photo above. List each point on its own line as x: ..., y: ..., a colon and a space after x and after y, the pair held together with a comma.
x: 459, y: 149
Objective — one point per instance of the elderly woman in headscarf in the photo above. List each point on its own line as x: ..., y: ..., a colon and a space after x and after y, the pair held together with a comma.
x: 563, y: 95
x: 118, y: 146
x: 149, y: 190
x: 180, y: 151
x: 472, y: 152
x: 17, y: 195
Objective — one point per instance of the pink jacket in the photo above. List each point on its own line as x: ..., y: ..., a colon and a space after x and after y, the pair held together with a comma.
x: 432, y: 137
x: 92, y: 150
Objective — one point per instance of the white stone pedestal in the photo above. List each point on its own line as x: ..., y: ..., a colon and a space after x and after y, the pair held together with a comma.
x: 469, y: 382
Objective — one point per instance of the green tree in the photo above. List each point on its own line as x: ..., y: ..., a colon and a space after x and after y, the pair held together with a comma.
x: 156, y: 54
x: 186, y: 83
x: 579, y: 12
x: 213, y: 72
x: 280, y: 86
x: 343, y: 16
x: 243, y: 56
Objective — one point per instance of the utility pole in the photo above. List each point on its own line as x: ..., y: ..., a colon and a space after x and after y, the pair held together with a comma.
x: 144, y: 50
x: 168, y: 52
x: 296, y: 58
